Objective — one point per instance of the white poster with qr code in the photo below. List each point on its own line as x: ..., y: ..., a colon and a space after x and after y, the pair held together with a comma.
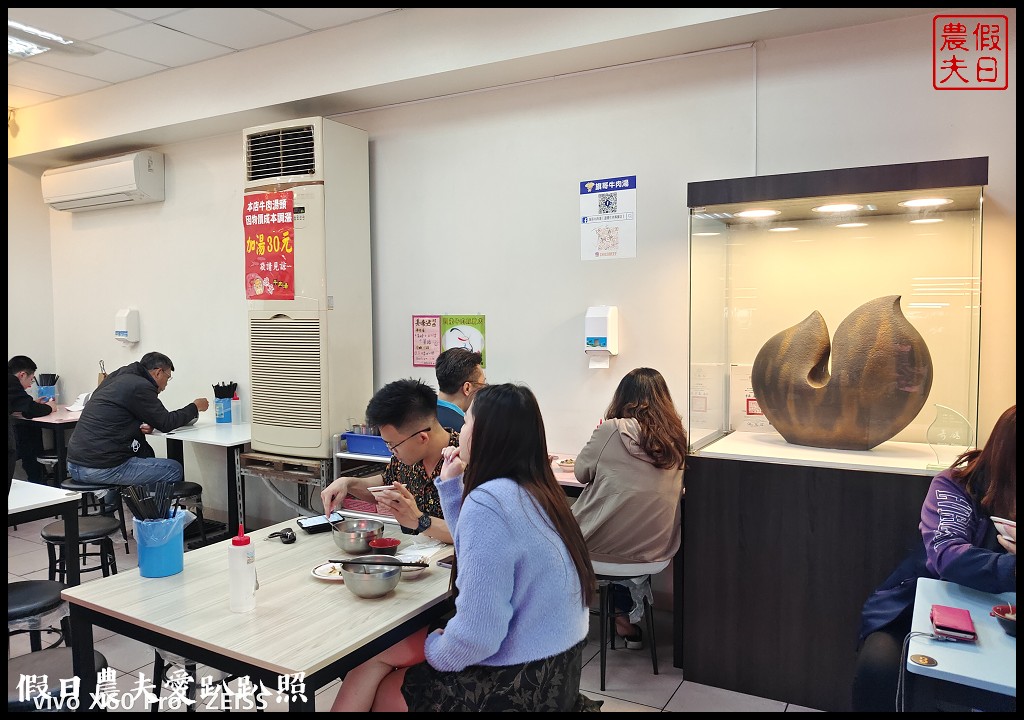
x: 608, y: 218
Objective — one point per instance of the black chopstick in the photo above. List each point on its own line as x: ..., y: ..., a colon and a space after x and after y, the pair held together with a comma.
x: 394, y: 563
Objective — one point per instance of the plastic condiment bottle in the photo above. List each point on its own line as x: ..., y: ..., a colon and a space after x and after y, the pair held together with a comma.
x: 242, y: 572
x: 236, y: 409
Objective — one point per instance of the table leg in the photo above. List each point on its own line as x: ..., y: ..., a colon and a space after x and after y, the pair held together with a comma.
x: 61, y: 448
x: 72, y: 559
x: 176, y: 450
x: 82, y: 658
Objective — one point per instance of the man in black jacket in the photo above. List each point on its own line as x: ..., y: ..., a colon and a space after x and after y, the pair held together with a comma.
x: 109, y: 446
x: 27, y: 439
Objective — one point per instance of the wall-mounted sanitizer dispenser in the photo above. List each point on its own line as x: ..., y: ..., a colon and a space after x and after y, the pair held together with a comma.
x: 601, y: 329
x: 126, y: 326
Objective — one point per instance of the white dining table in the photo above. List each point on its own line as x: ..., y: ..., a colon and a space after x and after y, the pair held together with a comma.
x: 31, y: 501
x: 302, y: 627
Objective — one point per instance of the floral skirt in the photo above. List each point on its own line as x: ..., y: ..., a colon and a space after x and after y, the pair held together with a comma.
x: 548, y: 685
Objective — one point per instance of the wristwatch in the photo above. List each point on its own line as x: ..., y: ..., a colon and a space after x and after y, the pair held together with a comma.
x: 423, y: 524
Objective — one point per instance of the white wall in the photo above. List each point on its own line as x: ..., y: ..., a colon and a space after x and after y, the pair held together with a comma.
x: 29, y: 271
x: 474, y: 205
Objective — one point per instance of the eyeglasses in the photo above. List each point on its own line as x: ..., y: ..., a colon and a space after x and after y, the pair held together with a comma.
x: 168, y: 373
x: 394, y: 447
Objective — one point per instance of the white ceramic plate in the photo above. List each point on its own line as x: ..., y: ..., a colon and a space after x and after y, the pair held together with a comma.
x: 566, y: 465
x: 328, y: 571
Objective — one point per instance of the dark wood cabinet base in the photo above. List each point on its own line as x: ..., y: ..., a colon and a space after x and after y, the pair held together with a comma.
x: 776, y: 563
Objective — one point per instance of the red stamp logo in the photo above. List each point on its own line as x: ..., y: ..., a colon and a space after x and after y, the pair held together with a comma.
x: 969, y: 52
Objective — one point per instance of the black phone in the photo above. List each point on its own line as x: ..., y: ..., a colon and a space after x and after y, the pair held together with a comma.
x: 447, y: 561
x: 318, y: 523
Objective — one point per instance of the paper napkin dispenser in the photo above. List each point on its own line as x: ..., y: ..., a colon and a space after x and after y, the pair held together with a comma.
x: 601, y: 331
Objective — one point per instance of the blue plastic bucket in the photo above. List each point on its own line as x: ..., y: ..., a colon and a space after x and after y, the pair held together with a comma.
x: 161, y: 546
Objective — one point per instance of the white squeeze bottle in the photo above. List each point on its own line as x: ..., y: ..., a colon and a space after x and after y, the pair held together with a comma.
x: 236, y: 409
x: 242, y: 572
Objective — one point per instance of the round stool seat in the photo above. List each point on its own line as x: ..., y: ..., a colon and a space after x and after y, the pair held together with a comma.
x: 53, y: 664
x: 83, y: 487
x: 186, y: 489
x: 90, y: 527
x: 32, y: 597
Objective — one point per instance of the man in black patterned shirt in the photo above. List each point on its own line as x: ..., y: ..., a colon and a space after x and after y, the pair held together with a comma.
x: 406, y: 413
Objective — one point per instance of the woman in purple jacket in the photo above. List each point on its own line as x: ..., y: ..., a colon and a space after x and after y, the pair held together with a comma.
x: 960, y: 544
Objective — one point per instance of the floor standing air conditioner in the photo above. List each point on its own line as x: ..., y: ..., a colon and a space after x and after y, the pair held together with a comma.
x: 311, y: 358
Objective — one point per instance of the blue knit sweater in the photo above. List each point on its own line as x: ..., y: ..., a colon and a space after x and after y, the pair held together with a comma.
x: 519, y: 595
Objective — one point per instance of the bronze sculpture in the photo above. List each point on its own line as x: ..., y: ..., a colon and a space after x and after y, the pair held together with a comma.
x: 880, y: 379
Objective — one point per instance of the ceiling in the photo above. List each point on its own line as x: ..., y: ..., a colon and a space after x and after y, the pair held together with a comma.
x: 129, y: 43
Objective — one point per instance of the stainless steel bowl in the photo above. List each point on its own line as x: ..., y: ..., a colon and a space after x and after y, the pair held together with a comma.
x: 371, y: 581
x: 354, y: 536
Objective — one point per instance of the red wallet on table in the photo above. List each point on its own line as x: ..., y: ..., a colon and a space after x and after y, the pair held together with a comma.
x: 953, y: 623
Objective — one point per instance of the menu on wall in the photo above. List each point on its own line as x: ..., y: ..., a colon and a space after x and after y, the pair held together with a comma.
x: 433, y: 334
x: 269, y: 226
x: 426, y: 340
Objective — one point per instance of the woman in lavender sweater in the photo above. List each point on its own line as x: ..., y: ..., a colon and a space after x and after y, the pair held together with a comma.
x: 524, y: 581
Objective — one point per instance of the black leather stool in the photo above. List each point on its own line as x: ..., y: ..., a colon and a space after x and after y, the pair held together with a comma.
x: 53, y: 664
x: 93, y: 505
x: 607, y: 575
x: 194, y: 491
x: 92, y: 530
x: 28, y: 601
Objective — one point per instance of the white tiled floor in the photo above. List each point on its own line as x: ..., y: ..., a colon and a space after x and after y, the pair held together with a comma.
x: 631, y: 685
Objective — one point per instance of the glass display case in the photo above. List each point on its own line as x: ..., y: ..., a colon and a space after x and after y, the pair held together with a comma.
x: 767, y: 252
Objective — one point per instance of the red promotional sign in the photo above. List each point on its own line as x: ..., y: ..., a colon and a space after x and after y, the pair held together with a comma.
x: 269, y: 246
x: 970, y: 52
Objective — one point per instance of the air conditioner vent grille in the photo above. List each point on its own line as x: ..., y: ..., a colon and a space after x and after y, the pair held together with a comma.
x: 287, y: 372
x: 281, y: 152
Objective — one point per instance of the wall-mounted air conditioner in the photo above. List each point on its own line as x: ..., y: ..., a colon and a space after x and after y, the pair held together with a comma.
x: 130, y: 179
x: 311, y: 357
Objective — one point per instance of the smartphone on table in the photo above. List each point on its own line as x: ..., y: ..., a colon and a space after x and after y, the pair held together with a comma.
x: 447, y: 561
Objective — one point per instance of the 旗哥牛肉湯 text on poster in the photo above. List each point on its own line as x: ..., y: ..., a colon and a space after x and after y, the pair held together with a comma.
x: 608, y: 218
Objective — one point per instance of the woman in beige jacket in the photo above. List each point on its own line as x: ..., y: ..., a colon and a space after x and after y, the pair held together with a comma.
x: 632, y: 467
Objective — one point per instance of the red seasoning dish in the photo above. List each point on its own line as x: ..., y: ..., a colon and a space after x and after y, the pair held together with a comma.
x: 385, y: 546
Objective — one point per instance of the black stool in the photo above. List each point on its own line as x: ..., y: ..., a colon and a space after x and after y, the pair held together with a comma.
x: 49, y: 463
x: 194, y: 491
x: 28, y: 601
x: 52, y: 665
x: 91, y: 502
x: 92, y: 529
x: 607, y: 575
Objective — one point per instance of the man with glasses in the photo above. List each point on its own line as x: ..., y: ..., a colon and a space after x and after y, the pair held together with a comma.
x: 459, y: 375
x: 24, y: 440
x: 405, y: 411
x: 109, y: 446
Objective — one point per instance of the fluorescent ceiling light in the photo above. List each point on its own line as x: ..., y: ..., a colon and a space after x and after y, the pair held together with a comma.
x: 925, y: 221
x: 16, y: 47
x: 25, y: 41
x: 851, y: 225
x: 783, y: 229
